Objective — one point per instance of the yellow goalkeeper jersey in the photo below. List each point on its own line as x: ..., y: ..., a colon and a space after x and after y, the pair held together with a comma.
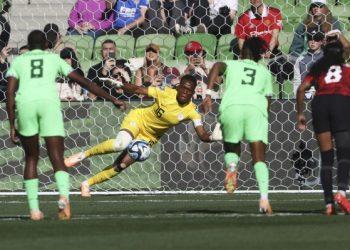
x: 152, y: 122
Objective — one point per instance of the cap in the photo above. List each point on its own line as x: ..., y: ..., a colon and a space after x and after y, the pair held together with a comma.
x: 193, y: 47
x: 153, y: 46
x: 315, y: 34
x: 319, y: 1
x: 51, y: 31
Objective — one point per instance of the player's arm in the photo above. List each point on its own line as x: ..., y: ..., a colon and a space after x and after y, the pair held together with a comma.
x: 94, y: 88
x: 218, y: 69
x: 134, y: 89
x: 12, y: 86
x: 203, y: 134
x: 300, y: 102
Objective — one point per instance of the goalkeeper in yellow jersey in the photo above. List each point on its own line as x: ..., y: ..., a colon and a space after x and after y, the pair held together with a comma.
x: 171, y: 107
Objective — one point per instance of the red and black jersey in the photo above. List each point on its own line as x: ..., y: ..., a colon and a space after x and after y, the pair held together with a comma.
x: 250, y: 26
x: 335, y: 81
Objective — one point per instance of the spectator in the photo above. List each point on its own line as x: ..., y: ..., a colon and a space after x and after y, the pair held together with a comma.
x: 120, y: 73
x: 318, y: 16
x: 304, y: 62
x: 54, y: 39
x: 162, y: 16
x: 103, y: 69
x: 198, y: 67
x: 4, y: 23
x: 130, y: 16
x: 67, y: 89
x: 4, y: 65
x: 196, y: 17
x: 90, y: 17
x: 154, y: 72
x: 259, y: 21
x: 222, y: 14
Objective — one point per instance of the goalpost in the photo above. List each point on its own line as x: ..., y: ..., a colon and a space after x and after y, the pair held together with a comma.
x: 179, y: 163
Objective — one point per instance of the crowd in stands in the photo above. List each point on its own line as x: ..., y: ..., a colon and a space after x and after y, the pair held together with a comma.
x: 97, y: 18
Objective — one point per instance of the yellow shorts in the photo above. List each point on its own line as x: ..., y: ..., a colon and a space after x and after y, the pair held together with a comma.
x: 133, y: 123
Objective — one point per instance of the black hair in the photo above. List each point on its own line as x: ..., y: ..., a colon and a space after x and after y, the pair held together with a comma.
x: 108, y: 41
x: 69, y: 53
x: 189, y: 78
x: 332, y: 55
x: 37, y: 40
x: 253, y: 48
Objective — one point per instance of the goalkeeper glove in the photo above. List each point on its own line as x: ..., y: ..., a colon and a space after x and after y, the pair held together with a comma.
x: 217, y: 133
x: 112, y: 82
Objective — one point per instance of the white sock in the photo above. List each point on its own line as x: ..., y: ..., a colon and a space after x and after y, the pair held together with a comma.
x: 342, y: 192
x: 264, y: 196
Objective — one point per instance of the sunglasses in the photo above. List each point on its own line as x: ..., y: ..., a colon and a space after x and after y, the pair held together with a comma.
x: 118, y: 75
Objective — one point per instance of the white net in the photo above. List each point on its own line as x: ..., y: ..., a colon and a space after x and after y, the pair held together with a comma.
x: 179, y: 162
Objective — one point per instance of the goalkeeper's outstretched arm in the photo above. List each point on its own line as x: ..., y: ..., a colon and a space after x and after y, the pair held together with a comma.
x: 134, y: 89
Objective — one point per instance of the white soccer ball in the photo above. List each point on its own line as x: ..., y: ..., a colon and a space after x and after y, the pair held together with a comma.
x: 139, y: 150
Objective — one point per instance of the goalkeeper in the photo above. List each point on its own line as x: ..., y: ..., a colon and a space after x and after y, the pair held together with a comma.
x: 169, y: 109
x: 38, y: 111
x: 244, y: 113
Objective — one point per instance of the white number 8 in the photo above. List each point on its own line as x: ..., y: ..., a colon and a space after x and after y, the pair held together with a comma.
x: 333, y: 74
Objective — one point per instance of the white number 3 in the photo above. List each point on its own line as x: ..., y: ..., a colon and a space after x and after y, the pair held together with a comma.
x: 333, y: 74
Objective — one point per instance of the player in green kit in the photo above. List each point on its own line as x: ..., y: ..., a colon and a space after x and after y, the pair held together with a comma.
x: 244, y: 113
x: 38, y: 113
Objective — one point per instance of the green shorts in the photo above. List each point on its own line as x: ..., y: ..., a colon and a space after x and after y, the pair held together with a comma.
x: 40, y: 117
x: 240, y: 122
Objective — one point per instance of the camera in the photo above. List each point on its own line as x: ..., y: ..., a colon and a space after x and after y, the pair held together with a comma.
x: 111, y: 54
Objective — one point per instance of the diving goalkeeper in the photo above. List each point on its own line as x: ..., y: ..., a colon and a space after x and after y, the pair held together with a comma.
x: 171, y: 107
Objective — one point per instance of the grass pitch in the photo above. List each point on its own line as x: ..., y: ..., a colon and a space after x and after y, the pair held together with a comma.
x: 175, y: 222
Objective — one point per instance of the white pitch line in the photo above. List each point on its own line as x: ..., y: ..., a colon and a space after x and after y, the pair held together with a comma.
x: 166, y: 201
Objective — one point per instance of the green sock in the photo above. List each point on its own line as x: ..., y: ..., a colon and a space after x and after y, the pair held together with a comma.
x: 262, y: 176
x: 32, y: 188
x: 62, y: 181
x: 231, y: 161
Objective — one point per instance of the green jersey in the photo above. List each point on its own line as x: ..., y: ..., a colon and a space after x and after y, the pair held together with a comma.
x: 36, y: 72
x: 246, y: 82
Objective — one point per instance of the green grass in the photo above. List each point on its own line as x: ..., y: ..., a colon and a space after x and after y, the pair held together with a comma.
x: 175, y: 222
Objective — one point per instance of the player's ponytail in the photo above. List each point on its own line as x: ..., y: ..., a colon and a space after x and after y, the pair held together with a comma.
x: 332, y: 55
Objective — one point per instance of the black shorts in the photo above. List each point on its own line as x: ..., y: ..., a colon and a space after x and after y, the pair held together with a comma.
x: 331, y: 113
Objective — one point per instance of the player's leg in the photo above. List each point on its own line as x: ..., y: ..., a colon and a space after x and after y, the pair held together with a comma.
x: 55, y: 148
x: 122, y: 162
x: 342, y: 140
x: 327, y: 160
x: 256, y: 132
x: 258, y: 149
x: 123, y: 139
x: 231, y: 120
x: 31, y: 182
x: 232, y: 154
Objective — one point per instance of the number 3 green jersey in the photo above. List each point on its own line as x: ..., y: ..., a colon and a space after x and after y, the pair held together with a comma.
x: 36, y: 72
x: 246, y: 82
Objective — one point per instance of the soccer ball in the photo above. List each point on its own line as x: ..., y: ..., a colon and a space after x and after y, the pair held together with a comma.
x: 139, y: 150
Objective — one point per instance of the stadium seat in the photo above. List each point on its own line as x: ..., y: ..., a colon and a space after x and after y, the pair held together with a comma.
x: 208, y: 42
x: 86, y: 64
x: 285, y: 40
x: 125, y: 46
x: 223, y: 49
x: 164, y: 41
x: 83, y: 44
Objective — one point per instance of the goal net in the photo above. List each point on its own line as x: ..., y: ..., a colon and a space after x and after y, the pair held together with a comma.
x: 179, y: 162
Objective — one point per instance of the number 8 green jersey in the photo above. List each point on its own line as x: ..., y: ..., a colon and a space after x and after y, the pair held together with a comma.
x: 36, y: 72
x: 246, y: 82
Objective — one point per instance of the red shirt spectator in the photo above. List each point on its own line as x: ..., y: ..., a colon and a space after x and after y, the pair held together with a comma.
x: 263, y: 23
